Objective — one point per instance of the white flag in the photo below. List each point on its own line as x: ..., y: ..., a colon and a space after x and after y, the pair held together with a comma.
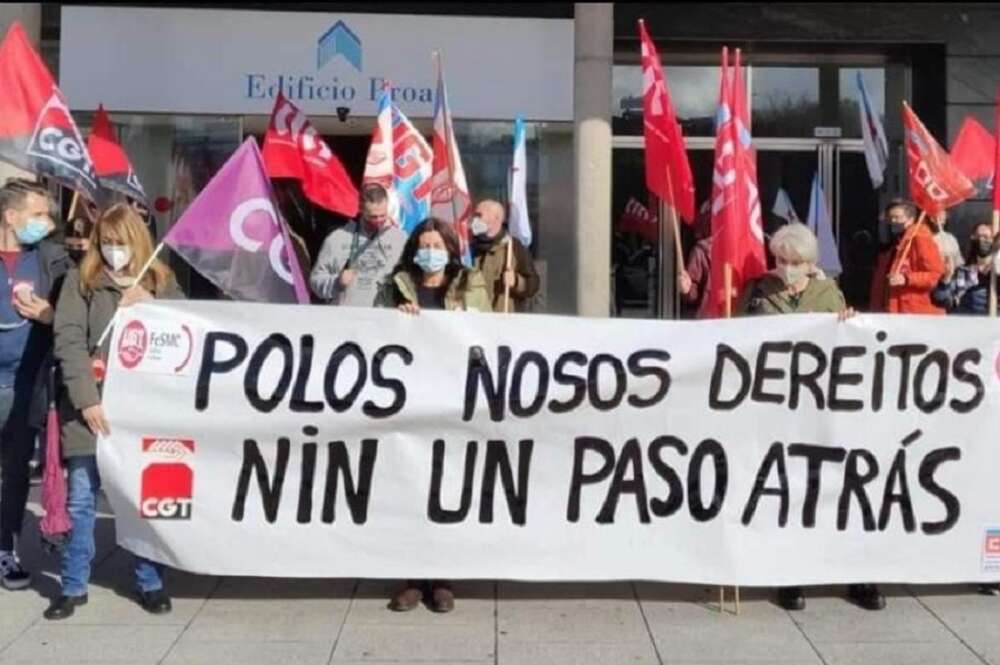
x: 520, y: 223
x: 784, y: 209
x: 876, y: 147
x: 819, y: 222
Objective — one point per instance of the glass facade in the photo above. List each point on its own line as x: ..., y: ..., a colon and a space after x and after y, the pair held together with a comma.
x: 786, y: 101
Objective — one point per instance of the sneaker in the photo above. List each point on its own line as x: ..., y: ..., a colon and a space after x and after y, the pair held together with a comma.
x: 867, y: 596
x: 13, y: 576
x: 155, y: 602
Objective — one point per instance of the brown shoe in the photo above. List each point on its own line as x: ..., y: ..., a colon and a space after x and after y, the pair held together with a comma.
x: 443, y: 598
x: 407, y: 599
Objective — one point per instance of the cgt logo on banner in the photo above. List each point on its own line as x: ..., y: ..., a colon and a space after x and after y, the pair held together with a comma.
x: 166, y: 348
x: 167, y: 486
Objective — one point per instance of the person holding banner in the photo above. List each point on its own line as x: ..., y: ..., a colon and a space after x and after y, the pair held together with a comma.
x: 33, y: 267
x: 968, y: 290
x: 356, y: 259
x: 108, y: 278
x: 798, y: 286
x: 430, y: 275
x: 505, y: 263
x: 909, y: 269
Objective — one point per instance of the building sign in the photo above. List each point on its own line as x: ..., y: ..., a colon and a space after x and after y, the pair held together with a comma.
x: 236, y: 62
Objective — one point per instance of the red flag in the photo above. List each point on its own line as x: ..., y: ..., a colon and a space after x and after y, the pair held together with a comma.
x: 936, y: 183
x: 737, y: 235
x: 293, y: 149
x: 996, y: 160
x: 450, y: 200
x: 37, y: 132
x: 113, y: 168
x: 668, y: 172
x: 974, y: 150
x: 637, y: 218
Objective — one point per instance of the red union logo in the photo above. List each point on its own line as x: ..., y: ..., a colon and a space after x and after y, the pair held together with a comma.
x: 993, y: 542
x: 132, y: 345
x: 167, y: 488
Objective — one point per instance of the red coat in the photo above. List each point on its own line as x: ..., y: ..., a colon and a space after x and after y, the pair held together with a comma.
x: 923, y: 268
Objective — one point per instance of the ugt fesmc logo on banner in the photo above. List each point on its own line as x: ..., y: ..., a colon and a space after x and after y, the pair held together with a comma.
x: 168, y: 484
x: 166, y: 348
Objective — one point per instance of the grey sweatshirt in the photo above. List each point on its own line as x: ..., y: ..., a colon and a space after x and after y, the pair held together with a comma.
x: 372, y: 257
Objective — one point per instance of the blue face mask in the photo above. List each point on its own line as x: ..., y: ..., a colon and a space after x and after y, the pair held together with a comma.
x: 33, y: 232
x: 431, y: 260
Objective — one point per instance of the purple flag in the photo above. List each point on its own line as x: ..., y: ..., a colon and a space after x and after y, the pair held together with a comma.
x: 234, y: 236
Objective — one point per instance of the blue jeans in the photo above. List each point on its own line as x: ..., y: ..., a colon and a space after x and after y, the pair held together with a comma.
x: 83, y: 485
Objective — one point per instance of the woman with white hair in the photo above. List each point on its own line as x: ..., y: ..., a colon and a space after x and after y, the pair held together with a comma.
x: 796, y: 285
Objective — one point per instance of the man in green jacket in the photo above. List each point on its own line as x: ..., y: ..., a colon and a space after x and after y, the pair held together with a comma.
x: 490, y: 244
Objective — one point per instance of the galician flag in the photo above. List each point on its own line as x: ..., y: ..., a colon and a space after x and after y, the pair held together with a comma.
x: 450, y: 200
x: 876, y: 147
x: 819, y: 222
x: 234, y: 236
x: 519, y: 223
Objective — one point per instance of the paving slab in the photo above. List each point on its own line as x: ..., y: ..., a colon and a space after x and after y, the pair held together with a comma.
x: 51, y: 643
x: 195, y: 652
x: 416, y: 644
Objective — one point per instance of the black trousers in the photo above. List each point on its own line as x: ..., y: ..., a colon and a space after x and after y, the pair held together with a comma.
x: 17, y: 445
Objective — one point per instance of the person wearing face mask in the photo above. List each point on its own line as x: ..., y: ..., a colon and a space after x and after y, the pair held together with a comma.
x: 490, y: 243
x: 430, y: 275
x: 796, y: 285
x: 356, y: 259
x: 947, y: 245
x: 78, y: 239
x: 908, y: 270
x: 106, y: 280
x: 31, y: 269
x: 968, y: 290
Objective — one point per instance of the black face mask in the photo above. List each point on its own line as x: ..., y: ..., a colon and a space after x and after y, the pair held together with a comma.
x: 76, y: 255
x: 482, y: 244
x: 984, y: 248
x: 896, y: 230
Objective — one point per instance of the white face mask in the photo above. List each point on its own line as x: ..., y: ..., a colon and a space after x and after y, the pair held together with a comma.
x: 116, y: 256
x: 792, y: 275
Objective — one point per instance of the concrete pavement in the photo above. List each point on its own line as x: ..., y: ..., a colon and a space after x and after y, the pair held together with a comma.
x: 316, y: 622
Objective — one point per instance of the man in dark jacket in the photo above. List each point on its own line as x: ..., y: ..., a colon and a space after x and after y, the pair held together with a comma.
x: 490, y: 244
x: 31, y: 270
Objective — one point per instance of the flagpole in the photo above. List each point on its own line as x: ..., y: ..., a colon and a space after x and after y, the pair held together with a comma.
x: 138, y: 280
x: 72, y: 205
x: 506, y: 286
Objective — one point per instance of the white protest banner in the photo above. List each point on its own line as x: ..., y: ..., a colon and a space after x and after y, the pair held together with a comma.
x: 314, y: 442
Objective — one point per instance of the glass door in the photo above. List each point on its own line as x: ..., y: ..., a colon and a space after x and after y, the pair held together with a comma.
x: 644, y: 262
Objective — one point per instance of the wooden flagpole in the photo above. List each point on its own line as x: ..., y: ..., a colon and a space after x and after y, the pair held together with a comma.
x: 506, y: 286
x: 907, y: 244
x: 72, y: 205
x: 138, y: 280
